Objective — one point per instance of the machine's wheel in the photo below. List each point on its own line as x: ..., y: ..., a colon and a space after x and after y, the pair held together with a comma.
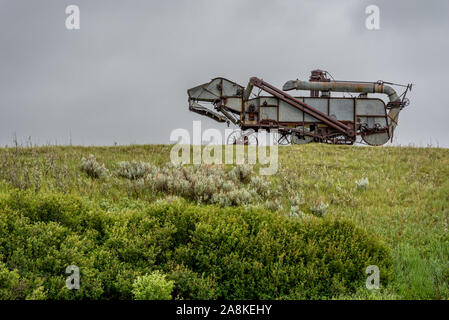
x: 376, y: 139
x: 248, y: 137
x: 298, y: 138
x: 282, y: 138
x: 285, y: 140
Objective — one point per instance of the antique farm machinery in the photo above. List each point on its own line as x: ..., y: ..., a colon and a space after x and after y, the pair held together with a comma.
x: 318, y: 117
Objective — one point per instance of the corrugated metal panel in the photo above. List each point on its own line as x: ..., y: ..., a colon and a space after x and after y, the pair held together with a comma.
x: 200, y: 93
x: 234, y: 104
x: 370, y: 107
x: 229, y: 88
x: 213, y: 87
x: 288, y: 113
x: 342, y: 109
x: 268, y: 113
x: 318, y: 104
x: 269, y: 100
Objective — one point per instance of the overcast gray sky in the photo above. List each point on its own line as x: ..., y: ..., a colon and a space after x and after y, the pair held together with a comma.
x: 123, y: 76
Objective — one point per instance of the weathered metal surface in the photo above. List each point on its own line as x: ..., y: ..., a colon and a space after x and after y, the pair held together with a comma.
x: 215, y: 89
x: 340, y: 86
x: 288, y: 113
x: 320, y: 104
x: 301, y: 105
x: 195, y: 107
x: 376, y: 139
x: 320, y: 117
x: 366, y: 107
x: 342, y: 109
x: 233, y: 104
x: 298, y: 138
x: 268, y: 113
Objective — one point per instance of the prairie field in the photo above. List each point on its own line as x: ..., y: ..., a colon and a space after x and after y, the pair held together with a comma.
x: 138, y: 227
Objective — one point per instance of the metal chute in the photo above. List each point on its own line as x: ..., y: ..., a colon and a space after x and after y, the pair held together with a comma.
x: 223, y: 94
x: 196, y: 107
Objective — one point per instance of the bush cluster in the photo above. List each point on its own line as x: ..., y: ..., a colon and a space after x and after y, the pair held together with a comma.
x: 362, y: 183
x: 208, y: 184
x: 176, y: 249
x: 205, y: 184
x: 92, y: 168
x: 153, y: 287
x: 320, y: 209
x: 134, y: 169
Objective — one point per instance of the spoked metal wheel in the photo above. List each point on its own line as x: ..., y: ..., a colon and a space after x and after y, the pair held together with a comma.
x: 248, y: 137
x: 283, y: 138
x: 298, y: 138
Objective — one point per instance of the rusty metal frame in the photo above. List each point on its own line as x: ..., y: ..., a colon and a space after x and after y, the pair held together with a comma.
x: 326, y: 128
x: 339, y: 126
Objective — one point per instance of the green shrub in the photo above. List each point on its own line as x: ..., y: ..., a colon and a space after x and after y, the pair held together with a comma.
x: 320, y: 209
x: 241, y: 173
x: 134, y: 169
x: 191, y: 285
x: 206, y: 252
x: 153, y: 287
x: 9, y: 283
x: 261, y: 186
x: 92, y: 168
x: 253, y: 254
x: 39, y: 293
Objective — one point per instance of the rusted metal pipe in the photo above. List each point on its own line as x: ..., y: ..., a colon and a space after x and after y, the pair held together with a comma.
x: 342, y: 86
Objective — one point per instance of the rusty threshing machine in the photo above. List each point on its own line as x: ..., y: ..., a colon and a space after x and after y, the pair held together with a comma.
x: 318, y: 117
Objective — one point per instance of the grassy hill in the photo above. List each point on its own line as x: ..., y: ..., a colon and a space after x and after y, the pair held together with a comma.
x: 221, y: 232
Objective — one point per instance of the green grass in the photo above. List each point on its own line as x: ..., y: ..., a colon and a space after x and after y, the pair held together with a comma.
x: 406, y: 204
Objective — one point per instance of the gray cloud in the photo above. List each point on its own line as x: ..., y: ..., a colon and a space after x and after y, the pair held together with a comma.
x: 123, y: 77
